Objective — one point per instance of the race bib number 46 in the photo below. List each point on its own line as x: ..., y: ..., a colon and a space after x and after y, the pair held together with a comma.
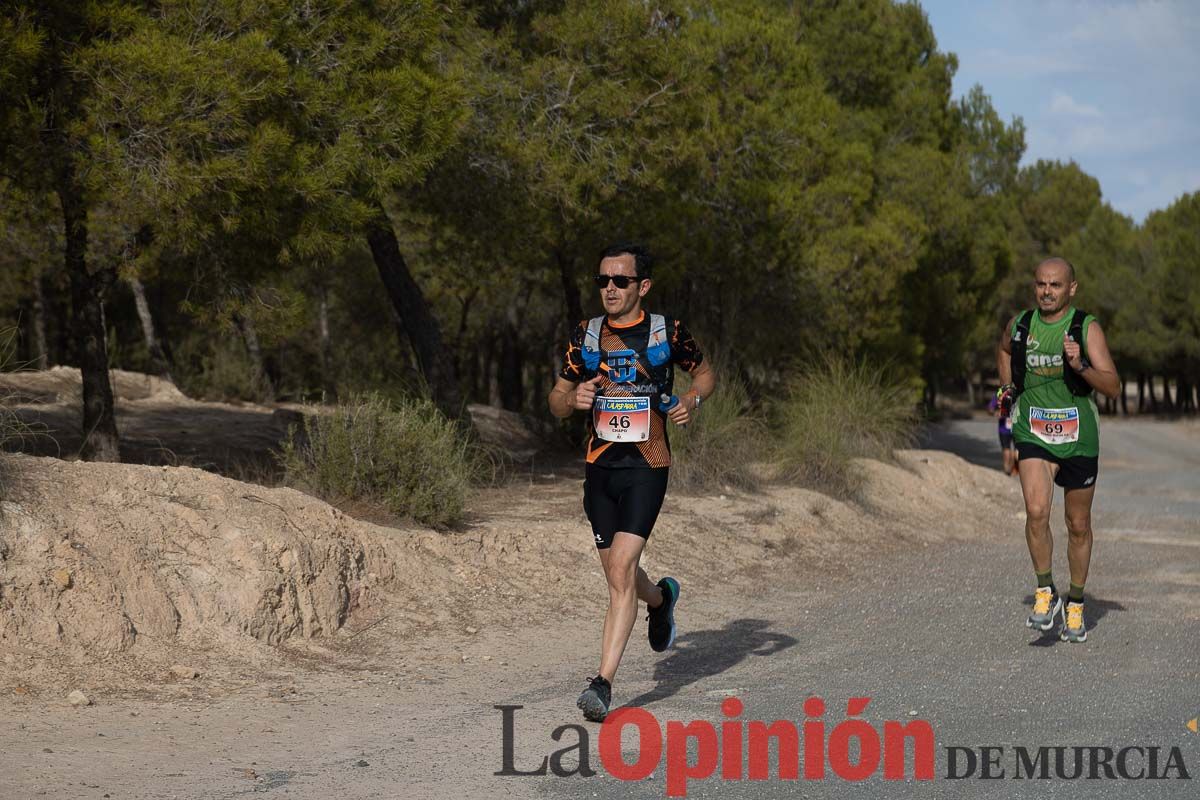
x: 1054, y: 425
x: 622, y: 419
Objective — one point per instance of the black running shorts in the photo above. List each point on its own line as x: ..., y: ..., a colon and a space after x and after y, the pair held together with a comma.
x: 1006, y: 439
x: 1077, y: 472
x: 625, y: 499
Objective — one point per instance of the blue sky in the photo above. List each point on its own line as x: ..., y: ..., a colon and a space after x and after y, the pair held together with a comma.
x: 1113, y: 85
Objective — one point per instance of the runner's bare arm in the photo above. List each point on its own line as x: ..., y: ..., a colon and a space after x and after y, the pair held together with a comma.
x: 562, y: 397
x: 1004, y: 354
x: 567, y: 396
x: 1101, y: 375
x: 704, y: 381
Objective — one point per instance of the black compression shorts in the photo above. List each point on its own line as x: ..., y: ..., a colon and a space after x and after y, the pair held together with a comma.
x: 1077, y: 472
x: 622, y: 500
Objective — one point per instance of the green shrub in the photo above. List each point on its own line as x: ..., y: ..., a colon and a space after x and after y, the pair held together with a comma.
x: 721, y: 446
x: 216, y: 368
x: 836, y: 411
x: 405, y: 456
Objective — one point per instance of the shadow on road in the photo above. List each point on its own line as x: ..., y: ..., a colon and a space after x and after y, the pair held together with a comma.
x: 1094, y: 611
x: 703, y: 653
x: 985, y: 453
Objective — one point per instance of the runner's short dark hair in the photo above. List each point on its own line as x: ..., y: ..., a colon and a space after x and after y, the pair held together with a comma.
x: 643, y: 262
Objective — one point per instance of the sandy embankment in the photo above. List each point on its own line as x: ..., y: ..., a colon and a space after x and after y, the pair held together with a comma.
x: 112, y: 573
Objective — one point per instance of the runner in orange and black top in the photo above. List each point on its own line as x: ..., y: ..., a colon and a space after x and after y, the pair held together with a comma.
x: 620, y: 369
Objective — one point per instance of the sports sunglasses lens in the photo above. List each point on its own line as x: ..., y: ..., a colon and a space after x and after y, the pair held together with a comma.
x: 621, y: 281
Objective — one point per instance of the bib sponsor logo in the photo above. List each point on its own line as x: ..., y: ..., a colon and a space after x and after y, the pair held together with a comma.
x: 1054, y: 425
x: 622, y: 419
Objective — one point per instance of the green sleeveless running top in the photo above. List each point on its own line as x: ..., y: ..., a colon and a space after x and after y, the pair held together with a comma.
x: 1047, y: 414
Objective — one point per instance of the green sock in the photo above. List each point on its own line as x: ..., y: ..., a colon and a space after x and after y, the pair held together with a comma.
x: 1076, y: 593
x: 1045, y: 579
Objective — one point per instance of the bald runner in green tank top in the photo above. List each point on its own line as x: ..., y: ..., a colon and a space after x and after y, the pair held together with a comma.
x: 1047, y: 414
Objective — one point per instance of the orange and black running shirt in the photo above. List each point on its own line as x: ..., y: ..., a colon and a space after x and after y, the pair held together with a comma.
x: 648, y: 381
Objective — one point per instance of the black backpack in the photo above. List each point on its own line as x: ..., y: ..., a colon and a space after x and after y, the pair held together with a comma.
x: 1020, y: 337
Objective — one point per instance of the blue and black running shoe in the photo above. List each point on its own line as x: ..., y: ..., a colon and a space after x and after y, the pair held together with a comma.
x: 662, y: 619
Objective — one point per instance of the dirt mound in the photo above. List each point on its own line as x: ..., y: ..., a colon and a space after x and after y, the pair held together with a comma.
x: 104, y: 565
x: 62, y: 385
x: 94, y: 558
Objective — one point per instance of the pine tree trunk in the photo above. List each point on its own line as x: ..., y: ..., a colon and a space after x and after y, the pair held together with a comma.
x: 158, y: 359
x: 63, y: 318
x: 482, y: 388
x: 100, y: 439
x: 262, y: 380
x: 1124, y: 399
x: 1150, y: 392
x: 511, y: 369
x: 328, y: 384
x: 572, y: 302
x: 493, y: 381
x: 421, y: 327
x: 1141, y: 393
x: 37, y: 323
x: 1167, y: 400
x: 464, y: 357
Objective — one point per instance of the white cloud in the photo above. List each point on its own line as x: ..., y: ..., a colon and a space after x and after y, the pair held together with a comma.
x: 1023, y: 63
x: 1111, y: 84
x: 1148, y: 26
x: 1063, y: 103
x: 1163, y: 190
x: 1122, y: 136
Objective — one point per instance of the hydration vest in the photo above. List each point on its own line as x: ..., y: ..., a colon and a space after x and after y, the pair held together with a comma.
x: 658, y: 349
x: 1020, y: 338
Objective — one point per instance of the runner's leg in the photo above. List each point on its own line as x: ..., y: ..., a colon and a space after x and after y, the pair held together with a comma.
x: 1079, y: 530
x: 621, y: 570
x: 647, y: 591
x: 1037, y: 486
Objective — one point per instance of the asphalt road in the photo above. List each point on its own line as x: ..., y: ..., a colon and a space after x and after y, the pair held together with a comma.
x: 938, y: 635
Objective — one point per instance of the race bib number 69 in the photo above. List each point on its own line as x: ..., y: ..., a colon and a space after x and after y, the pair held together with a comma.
x: 1054, y: 425
x: 622, y: 419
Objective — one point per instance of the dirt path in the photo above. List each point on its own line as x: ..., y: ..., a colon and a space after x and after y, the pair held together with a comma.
x: 917, y: 605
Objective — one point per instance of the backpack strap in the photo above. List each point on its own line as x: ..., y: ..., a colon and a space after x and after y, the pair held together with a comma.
x: 658, y: 349
x: 1075, y: 382
x: 591, y: 345
x: 658, y: 346
x: 1019, y: 341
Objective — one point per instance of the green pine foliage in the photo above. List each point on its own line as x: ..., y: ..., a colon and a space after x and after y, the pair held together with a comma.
x: 797, y: 167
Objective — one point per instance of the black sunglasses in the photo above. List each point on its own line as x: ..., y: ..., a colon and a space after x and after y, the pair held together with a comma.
x: 622, y: 281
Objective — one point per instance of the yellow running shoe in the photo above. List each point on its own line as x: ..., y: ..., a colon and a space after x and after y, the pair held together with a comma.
x: 1046, y: 605
x: 1074, y: 630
